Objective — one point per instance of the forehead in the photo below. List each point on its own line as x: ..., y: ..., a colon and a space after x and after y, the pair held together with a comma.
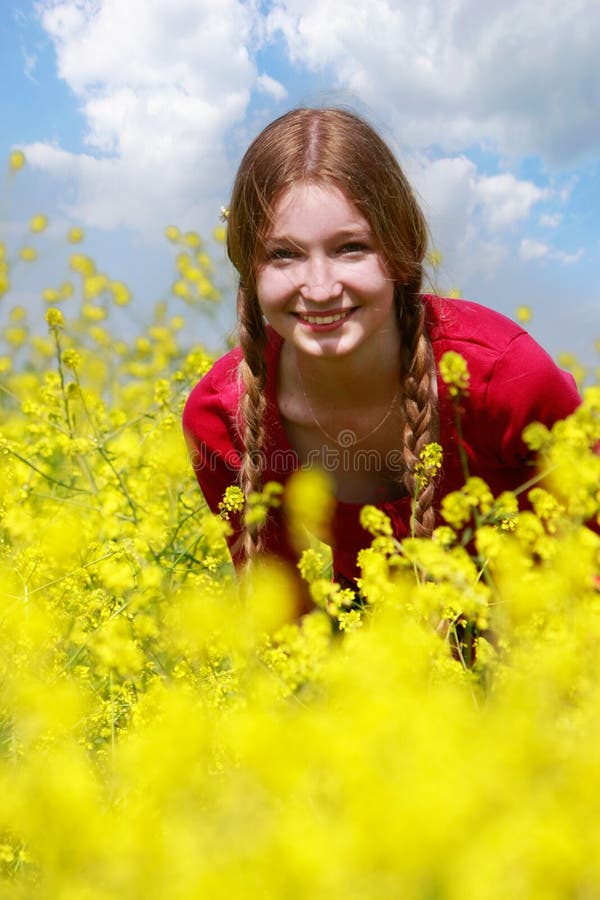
x: 307, y: 204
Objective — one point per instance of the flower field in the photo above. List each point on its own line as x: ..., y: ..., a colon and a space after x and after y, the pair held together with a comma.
x: 163, y: 737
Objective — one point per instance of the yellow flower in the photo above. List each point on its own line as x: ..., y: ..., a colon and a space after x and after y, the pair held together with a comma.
x: 71, y: 359
x: 311, y: 565
x: 444, y: 535
x: 75, y: 235
x: 454, y: 373
x: 456, y: 509
x: 28, y: 254
x: 55, y: 318
x: 181, y: 289
x: 479, y: 494
x: 430, y: 461
x: 162, y: 391
x: 309, y: 504
x: 18, y: 314
x: 121, y: 293
x: 220, y: 234
x: 50, y: 295
x: 143, y: 346
x: 375, y: 521
x: 172, y: 232
x: 94, y: 285
x: 82, y: 264
x: 192, y: 239
x: 570, y: 362
x: 536, y: 436
x: 434, y: 258
x: 93, y: 313
x: 233, y: 501
x: 524, y: 314
x: 506, y: 509
x: 38, y: 223
x: 16, y: 160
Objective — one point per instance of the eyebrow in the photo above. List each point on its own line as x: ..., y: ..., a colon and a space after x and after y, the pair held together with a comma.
x: 342, y: 234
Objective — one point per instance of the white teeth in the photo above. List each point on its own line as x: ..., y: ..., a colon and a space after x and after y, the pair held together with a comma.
x: 324, y: 320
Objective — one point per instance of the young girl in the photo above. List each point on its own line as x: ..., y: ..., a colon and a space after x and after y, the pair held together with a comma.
x: 338, y: 357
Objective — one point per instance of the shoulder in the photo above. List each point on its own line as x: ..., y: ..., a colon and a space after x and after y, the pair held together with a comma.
x: 216, y: 395
x: 512, y: 379
x: 494, y: 347
x: 214, y: 401
x: 462, y: 322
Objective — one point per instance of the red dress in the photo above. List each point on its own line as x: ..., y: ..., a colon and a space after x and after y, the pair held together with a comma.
x: 513, y: 382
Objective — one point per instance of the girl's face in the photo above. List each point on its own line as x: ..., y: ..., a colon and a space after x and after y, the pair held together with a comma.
x: 322, y: 283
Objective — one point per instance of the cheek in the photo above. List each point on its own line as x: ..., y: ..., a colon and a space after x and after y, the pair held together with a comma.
x: 273, y: 288
x: 371, y: 280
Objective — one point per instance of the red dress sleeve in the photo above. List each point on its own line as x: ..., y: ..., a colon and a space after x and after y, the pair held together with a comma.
x: 512, y: 382
x: 526, y: 386
x: 211, y: 433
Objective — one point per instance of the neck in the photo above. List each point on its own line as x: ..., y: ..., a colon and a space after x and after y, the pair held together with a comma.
x: 355, y: 378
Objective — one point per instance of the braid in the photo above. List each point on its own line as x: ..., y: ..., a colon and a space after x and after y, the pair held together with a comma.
x: 420, y: 407
x: 253, y: 338
x: 331, y: 147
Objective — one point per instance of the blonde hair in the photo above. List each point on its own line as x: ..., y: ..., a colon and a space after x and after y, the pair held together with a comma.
x: 333, y: 146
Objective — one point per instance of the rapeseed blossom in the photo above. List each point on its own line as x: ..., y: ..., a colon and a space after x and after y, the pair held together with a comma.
x: 75, y: 235
x: 55, y: 318
x: 16, y: 160
x: 187, y: 739
x: 524, y: 314
x: 38, y: 223
x: 429, y: 464
x: 454, y: 373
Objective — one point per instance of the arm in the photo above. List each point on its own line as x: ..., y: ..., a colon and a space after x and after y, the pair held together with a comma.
x: 216, y: 449
x: 213, y: 444
x: 526, y: 386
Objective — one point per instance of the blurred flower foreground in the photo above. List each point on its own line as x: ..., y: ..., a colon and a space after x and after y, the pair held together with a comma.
x: 161, y: 736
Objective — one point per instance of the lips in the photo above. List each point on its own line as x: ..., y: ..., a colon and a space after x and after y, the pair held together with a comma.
x: 324, y: 318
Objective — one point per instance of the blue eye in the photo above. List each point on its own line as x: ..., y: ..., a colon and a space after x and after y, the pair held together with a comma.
x: 281, y: 253
x: 354, y: 247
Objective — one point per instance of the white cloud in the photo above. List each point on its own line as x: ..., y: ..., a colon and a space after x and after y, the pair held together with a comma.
x: 162, y: 85
x: 158, y: 84
x: 507, y: 73
x: 550, y: 220
x: 530, y: 249
x: 568, y: 258
x: 272, y: 87
x: 506, y: 199
x: 471, y: 216
x: 29, y: 65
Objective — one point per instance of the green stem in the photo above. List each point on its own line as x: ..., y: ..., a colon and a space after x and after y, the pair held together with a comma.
x: 461, y: 449
x: 62, y: 382
x: 44, y: 475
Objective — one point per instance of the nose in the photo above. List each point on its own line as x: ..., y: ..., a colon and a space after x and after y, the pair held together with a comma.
x: 319, y: 282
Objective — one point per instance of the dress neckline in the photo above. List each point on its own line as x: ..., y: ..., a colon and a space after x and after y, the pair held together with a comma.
x: 274, y: 345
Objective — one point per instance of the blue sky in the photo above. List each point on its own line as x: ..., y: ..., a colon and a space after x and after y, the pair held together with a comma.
x: 134, y: 114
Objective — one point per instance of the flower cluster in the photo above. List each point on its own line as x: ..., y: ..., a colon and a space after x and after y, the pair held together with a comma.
x: 163, y: 734
x: 454, y: 373
x: 429, y: 464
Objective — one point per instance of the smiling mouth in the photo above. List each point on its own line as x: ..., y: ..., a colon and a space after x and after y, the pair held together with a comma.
x: 324, y: 318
